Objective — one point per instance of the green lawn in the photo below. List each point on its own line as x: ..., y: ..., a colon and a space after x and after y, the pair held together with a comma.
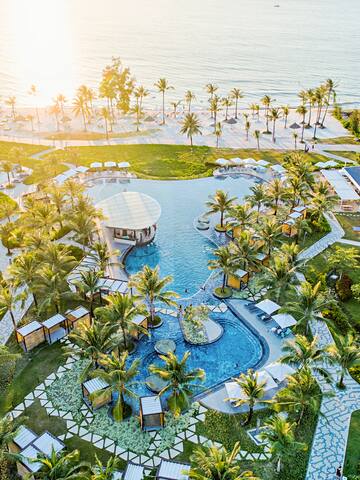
x: 7, y: 151
x: 96, y: 135
x: 173, y: 161
x: 346, y: 140
x: 4, y: 200
x: 348, y: 221
x: 350, y: 155
x: 352, y: 459
x: 43, y: 170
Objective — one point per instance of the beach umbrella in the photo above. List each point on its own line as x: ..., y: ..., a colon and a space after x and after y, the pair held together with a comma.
x: 267, y: 306
x: 231, y: 121
x: 294, y: 126
x: 123, y: 164
x: 222, y: 162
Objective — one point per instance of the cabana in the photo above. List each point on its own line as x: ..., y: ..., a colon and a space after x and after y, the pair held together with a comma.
x: 172, y: 471
x: 96, y: 385
x: 55, y: 328
x: 302, y: 209
x: 76, y: 318
x: 342, y: 187
x: 139, y: 321
x: 23, y: 438
x: 279, y: 371
x: 96, y: 165
x: 133, y: 472
x: 110, y: 164
x: 262, y: 258
x: 267, y: 306
x: 284, y: 320
x: 25, y: 467
x: 151, y: 413
x: 131, y: 217
x: 288, y: 228
x: 30, y: 336
x: 238, y: 279
x: 111, y: 285
x: 250, y: 161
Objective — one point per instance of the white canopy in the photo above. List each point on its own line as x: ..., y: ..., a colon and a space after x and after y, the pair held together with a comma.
x: 343, y: 189
x: 96, y: 165
x: 263, y: 163
x: 250, y: 161
x: 284, y: 320
x: 234, y: 391
x: 279, y: 371
x: 123, y: 164
x: 82, y: 169
x: 263, y: 376
x: 267, y: 306
x: 237, y: 161
x: 222, y: 162
x: 130, y: 210
x: 110, y: 164
x: 278, y: 168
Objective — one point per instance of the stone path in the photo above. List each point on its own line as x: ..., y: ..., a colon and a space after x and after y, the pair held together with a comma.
x: 332, y: 431
x: 354, y: 243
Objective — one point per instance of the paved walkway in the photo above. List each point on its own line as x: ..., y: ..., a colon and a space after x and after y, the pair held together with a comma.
x: 349, y: 242
x: 332, y: 431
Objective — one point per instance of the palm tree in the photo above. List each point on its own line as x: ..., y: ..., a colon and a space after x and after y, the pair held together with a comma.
x: 340, y: 259
x: 8, y: 209
x: 24, y: 271
x: 300, y: 394
x: 102, y: 254
x: 7, y: 167
x: 252, y: 392
x: 53, y: 289
x: 5, y: 357
x: 274, y: 116
x: 105, y: 472
x: 80, y: 107
x: 30, y: 118
x: 11, y: 102
x: 345, y: 353
x: 329, y: 86
x: 179, y: 380
x: 241, y: 215
x: 83, y: 227
x: 266, y: 101
x: 141, y: 92
x: 217, y: 464
x: 151, y: 288
x: 223, y: 261
x: 105, y: 115
x: 303, y: 96
x: 91, y: 342
x: 257, y: 135
x: 306, y: 354
x: 61, y: 100
x: 302, y: 110
x: 279, y: 436
x: 236, y: 94
x: 257, y: 198
x: 320, y: 204
x: 175, y: 106
x: 285, y: 111
x: 89, y: 287
x: 247, y: 129
x: 218, y: 133
x: 319, y: 96
x: 189, y: 97
x: 9, y: 298
x: 310, y: 99
x: 277, y: 277
x: 244, y: 252
x: 227, y: 102
x: 121, y: 310
x: 33, y: 92
x: 55, y: 110
x: 221, y: 202
x: 163, y: 86
x: 58, y: 257
x: 307, y: 305
x: 215, y: 109
x: 119, y: 376
x: 269, y: 233
x: 295, y: 137
x: 61, y: 466
x: 191, y: 126
x: 211, y: 89
x: 276, y: 193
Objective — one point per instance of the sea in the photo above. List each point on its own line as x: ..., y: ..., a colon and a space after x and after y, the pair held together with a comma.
x: 274, y: 47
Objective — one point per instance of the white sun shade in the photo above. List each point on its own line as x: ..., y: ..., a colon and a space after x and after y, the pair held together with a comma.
x: 222, y: 162
x: 123, y: 164
x: 278, y: 168
x: 130, y: 210
x: 96, y: 165
x: 250, y: 161
x: 263, y: 163
x: 279, y: 371
x: 110, y: 164
x: 237, y: 161
x: 267, y: 306
x: 284, y: 320
x: 270, y: 383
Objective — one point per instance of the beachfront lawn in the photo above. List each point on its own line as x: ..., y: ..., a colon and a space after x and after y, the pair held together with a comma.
x: 8, y: 152
x: 345, y: 140
x: 43, y: 170
x: 81, y: 135
x: 352, y: 458
x: 172, y: 161
x: 354, y: 156
x: 348, y: 221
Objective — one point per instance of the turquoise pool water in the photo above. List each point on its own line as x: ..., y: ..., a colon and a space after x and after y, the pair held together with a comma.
x: 178, y: 248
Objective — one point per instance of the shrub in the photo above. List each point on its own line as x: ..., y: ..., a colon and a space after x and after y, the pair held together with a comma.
x: 343, y: 287
x: 355, y: 373
x: 337, y: 317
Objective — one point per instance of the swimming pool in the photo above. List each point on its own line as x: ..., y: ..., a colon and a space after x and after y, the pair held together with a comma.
x: 178, y: 248
x: 236, y: 351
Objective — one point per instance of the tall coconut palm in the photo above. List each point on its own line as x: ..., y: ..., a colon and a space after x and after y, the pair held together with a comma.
x: 257, y: 135
x: 320, y: 204
x: 285, y: 111
x: 7, y: 167
x: 302, y: 110
x: 311, y: 102
x: 345, y: 353
x: 175, y: 106
x: 319, y: 97
x: 307, y: 305
x: 83, y: 227
x: 8, y: 209
x: 90, y: 342
x: 179, y: 380
x: 80, y: 107
x: 247, y: 129
x: 141, y: 92
x: 269, y: 233
x: 61, y: 100
x: 61, y: 466
x: 105, y: 115
x: 55, y: 110
x: 295, y: 137
x: 58, y: 198
x: 274, y: 116
x: 221, y: 202
x: 88, y: 287
x: 241, y: 215
x: 329, y: 87
x: 43, y: 217
x: 102, y: 255
x: 257, y: 198
x: 121, y: 310
x: 277, y: 277
x: 9, y: 298
x: 300, y: 394
x: 252, y: 391
x: 191, y: 126
x: 217, y: 464
x: 163, y: 86
x: 58, y: 257
x: 52, y: 289
x: 218, y: 133
x: 120, y: 377
x: 227, y: 102
x: 223, y: 262
x: 236, y: 94
x: 303, y: 353
x: 279, y: 436
x: 211, y: 89
x: 244, y: 252
x: 189, y: 98
x: 341, y: 259
x: 215, y: 109
x: 33, y: 92
x: 11, y: 102
x: 151, y: 288
x: 275, y: 192
x: 266, y: 101
x: 24, y: 272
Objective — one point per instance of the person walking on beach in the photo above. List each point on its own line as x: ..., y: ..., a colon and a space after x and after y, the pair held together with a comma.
x: 339, y: 473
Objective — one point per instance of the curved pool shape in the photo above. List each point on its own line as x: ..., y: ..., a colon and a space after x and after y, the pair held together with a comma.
x: 236, y: 351
x: 178, y: 248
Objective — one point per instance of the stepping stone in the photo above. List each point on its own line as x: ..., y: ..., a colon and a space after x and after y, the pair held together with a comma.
x: 111, y: 448
x: 108, y: 442
x: 119, y: 450
x: 67, y: 416
x: 202, y: 409
x: 20, y: 407
x: 61, y: 437
x: 133, y: 456
x: 124, y: 456
x: 74, y: 429
x: 156, y: 461
x: 87, y: 437
x: 16, y: 413
x: 28, y: 402
x: 96, y: 438
x: 181, y: 435
x: 201, y: 417
x: 43, y: 401
x: 30, y: 396
x: 153, y: 434
x: 143, y: 458
x: 82, y: 432
x: 193, y: 421
x: 48, y: 382
x: 149, y: 463
x: 193, y: 439
x: 165, y: 454
x: 191, y: 428
x: 173, y: 453
x: 203, y: 439
x: 70, y: 423
x: 179, y: 447
x: 99, y: 444
x: 52, y: 376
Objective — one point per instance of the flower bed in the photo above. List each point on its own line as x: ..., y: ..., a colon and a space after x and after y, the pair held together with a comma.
x: 193, y: 324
